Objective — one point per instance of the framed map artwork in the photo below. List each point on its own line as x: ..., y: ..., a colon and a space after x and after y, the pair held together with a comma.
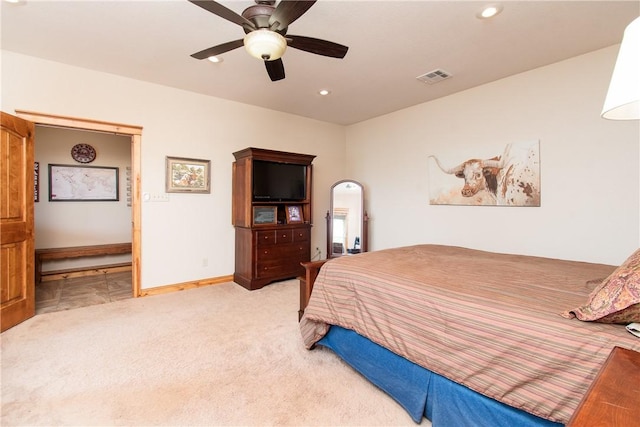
x: 69, y: 183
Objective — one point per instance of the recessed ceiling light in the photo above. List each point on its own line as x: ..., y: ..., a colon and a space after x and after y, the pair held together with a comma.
x: 324, y: 92
x: 215, y: 59
x: 489, y: 11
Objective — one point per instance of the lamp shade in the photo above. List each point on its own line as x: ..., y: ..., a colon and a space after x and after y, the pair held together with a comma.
x: 623, y: 98
x: 265, y: 44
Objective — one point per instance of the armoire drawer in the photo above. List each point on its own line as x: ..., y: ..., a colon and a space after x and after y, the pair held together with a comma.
x: 301, y: 234
x: 278, y: 260
x: 266, y: 237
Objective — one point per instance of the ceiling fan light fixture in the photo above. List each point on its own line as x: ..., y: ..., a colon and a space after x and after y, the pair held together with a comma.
x: 265, y: 44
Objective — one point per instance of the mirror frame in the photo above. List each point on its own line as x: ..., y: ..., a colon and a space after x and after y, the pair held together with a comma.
x: 364, y: 220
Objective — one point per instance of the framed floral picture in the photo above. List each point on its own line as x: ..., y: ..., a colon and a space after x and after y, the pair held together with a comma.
x: 187, y: 175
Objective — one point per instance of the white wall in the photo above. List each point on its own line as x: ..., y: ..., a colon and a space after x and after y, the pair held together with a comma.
x: 78, y: 223
x: 590, y: 173
x: 178, y: 235
x: 589, y: 166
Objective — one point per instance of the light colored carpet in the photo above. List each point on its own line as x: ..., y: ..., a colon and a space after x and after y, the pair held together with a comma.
x: 218, y: 355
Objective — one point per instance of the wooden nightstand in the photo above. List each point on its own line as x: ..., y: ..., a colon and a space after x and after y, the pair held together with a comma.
x: 613, y: 399
x: 311, y: 268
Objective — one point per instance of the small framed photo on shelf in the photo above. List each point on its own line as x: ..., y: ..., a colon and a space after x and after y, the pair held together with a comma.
x: 187, y: 175
x: 265, y: 215
x: 294, y: 214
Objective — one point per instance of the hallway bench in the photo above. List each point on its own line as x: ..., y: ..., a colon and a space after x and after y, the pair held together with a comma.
x: 50, y: 254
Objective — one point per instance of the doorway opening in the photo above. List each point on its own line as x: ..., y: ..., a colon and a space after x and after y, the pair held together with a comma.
x: 81, y: 202
x: 134, y: 133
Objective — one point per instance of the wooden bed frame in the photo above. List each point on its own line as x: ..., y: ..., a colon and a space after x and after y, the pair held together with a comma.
x: 311, y: 268
x: 613, y: 397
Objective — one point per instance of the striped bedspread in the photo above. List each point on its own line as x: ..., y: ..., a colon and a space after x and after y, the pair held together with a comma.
x: 488, y: 321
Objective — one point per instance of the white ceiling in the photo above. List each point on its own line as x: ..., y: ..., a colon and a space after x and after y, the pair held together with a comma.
x: 390, y: 44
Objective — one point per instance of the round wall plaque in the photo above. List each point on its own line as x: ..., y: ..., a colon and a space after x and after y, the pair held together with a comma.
x: 83, y: 153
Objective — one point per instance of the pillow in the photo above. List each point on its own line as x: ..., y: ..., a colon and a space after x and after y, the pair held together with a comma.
x: 616, y: 299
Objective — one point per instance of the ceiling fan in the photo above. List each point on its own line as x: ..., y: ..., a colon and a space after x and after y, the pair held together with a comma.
x: 265, y: 26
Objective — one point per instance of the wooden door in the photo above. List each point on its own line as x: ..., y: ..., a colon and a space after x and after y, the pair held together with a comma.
x: 17, y: 282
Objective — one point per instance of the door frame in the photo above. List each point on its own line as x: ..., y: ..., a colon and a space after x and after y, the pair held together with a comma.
x: 135, y: 132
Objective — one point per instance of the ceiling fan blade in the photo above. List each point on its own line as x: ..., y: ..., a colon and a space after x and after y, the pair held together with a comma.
x: 217, y: 50
x: 275, y: 69
x: 317, y: 46
x: 223, y: 12
x: 288, y: 11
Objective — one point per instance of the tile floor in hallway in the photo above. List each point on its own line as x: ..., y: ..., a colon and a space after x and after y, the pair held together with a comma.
x: 66, y: 294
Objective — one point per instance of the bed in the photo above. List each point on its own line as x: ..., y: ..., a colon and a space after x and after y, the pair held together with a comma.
x: 468, y: 337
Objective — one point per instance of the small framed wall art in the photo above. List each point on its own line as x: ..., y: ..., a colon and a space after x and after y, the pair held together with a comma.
x: 36, y: 181
x: 187, y: 175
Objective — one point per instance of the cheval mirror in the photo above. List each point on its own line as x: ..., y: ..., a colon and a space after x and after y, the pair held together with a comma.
x: 347, y: 220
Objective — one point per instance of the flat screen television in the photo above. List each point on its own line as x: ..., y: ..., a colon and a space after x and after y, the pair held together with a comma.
x: 279, y: 182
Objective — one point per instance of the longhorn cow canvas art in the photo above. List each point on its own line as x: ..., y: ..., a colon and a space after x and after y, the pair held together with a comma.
x: 511, y: 177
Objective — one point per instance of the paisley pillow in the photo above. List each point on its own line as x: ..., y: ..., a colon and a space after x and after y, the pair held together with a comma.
x: 616, y: 299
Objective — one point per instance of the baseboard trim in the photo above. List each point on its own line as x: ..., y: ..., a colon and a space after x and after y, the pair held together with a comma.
x: 184, y: 286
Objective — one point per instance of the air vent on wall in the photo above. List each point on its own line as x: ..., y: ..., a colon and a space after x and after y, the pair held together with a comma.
x: 434, y: 76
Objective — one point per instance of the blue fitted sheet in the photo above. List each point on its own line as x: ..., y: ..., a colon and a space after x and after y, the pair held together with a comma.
x: 421, y: 392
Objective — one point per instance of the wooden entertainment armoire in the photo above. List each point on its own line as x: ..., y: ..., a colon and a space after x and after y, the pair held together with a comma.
x: 269, y: 244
